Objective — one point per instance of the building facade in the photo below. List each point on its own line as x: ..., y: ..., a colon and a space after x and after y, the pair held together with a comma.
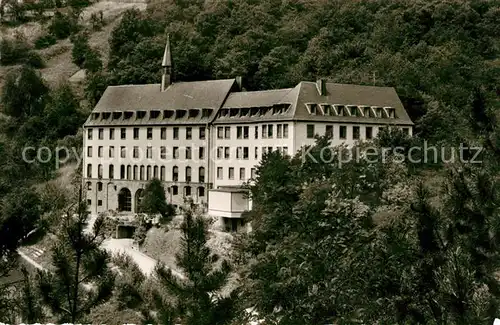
x: 210, y: 135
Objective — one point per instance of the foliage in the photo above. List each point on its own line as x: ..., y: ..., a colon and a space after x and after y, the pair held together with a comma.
x: 17, y: 51
x: 195, y: 297
x: 435, y: 54
x: 45, y: 41
x: 82, y: 279
x: 63, y: 25
x: 24, y: 94
x: 154, y: 201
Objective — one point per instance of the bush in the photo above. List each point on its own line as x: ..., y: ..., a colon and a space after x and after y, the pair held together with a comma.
x: 62, y: 26
x: 93, y: 61
x: 34, y: 60
x: 80, y: 49
x: 45, y: 41
x: 13, y: 51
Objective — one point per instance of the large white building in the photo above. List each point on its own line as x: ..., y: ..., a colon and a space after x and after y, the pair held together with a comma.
x: 203, y: 139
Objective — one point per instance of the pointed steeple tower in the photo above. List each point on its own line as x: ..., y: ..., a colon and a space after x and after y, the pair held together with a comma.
x: 166, y: 65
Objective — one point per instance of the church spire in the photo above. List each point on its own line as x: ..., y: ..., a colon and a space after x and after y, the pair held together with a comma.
x: 166, y: 64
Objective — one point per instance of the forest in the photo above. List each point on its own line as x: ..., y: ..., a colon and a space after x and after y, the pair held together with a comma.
x: 385, y: 242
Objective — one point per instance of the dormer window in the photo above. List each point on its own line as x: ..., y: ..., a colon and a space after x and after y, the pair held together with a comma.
x: 128, y: 115
x: 168, y: 114
x: 206, y: 112
x: 117, y: 115
x: 340, y: 110
x: 366, y: 111
x: 180, y: 113
x: 286, y: 107
x: 245, y: 112
x: 312, y: 108
x: 105, y: 116
x: 254, y: 111
x: 264, y: 110
x: 354, y: 110
x: 327, y: 109
x: 154, y: 114
x: 141, y: 114
x: 392, y: 112
x: 233, y: 112
x: 95, y: 116
x: 194, y: 113
x: 378, y: 112
x: 224, y: 112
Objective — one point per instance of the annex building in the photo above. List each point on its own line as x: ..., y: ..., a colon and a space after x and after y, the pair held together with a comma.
x: 203, y: 139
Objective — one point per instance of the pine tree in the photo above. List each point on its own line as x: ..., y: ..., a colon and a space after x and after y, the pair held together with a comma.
x: 82, y: 279
x: 197, y: 301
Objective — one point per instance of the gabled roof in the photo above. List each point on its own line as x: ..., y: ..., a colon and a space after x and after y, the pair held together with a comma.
x: 183, y: 95
x: 346, y: 94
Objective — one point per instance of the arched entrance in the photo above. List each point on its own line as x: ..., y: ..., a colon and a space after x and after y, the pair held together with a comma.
x: 124, y: 200
x: 138, y: 199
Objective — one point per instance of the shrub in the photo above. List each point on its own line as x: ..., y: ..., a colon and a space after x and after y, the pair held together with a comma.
x: 93, y: 61
x: 45, y: 41
x: 80, y: 49
x: 62, y: 26
x: 34, y: 60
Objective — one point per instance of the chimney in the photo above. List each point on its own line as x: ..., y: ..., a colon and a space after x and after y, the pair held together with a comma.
x: 321, y: 85
x: 166, y: 64
x: 239, y: 82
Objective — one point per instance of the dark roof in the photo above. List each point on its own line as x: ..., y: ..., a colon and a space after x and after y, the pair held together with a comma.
x: 183, y: 95
x: 216, y: 94
x: 345, y: 94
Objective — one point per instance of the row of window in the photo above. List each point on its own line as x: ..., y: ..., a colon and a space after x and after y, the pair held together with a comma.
x: 230, y: 173
x: 149, y: 152
x: 149, y: 172
x: 150, y: 134
x: 243, y: 132
x: 243, y: 152
x: 174, y: 190
x: 342, y: 132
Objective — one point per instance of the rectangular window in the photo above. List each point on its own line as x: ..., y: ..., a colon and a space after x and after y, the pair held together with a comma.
x: 269, y: 149
x: 136, y: 133
x: 99, y: 151
x: 226, y: 153
x: 219, y: 172
x: 264, y: 132
x: 163, y: 152
x: 201, y: 153
x: 227, y: 132
x: 285, y: 131
x: 149, y: 152
x: 89, y: 134
x: 245, y: 152
x: 270, y: 131
x: 176, y: 133
x: 220, y: 132
x: 219, y: 152
x: 123, y: 152
x: 256, y: 153
x: 285, y: 151
x: 188, y: 190
x: 150, y: 134
x: 245, y: 132
x: 111, y: 134
x: 355, y: 132
x: 242, y: 174
x: 89, y: 151
x: 252, y: 173
x: 123, y: 133
x: 231, y: 173
x: 343, y: 132
x: 136, y: 152
x: 202, y: 133
x: 329, y: 131
x: 175, y: 190
x: 189, y: 133
x: 239, y: 132
x: 279, y: 131
x: 239, y: 152
x: 176, y: 153
x: 188, y: 152
x: 264, y: 151
x: 89, y: 170
x: 163, y: 133
x: 101, y: 134
x: 99, y: 203
x: 256, y: 132
x: 111, y: 173
x: 406, y: 131
x: 369, y: 132
x: 111, y: 152
x: 310, y: 131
